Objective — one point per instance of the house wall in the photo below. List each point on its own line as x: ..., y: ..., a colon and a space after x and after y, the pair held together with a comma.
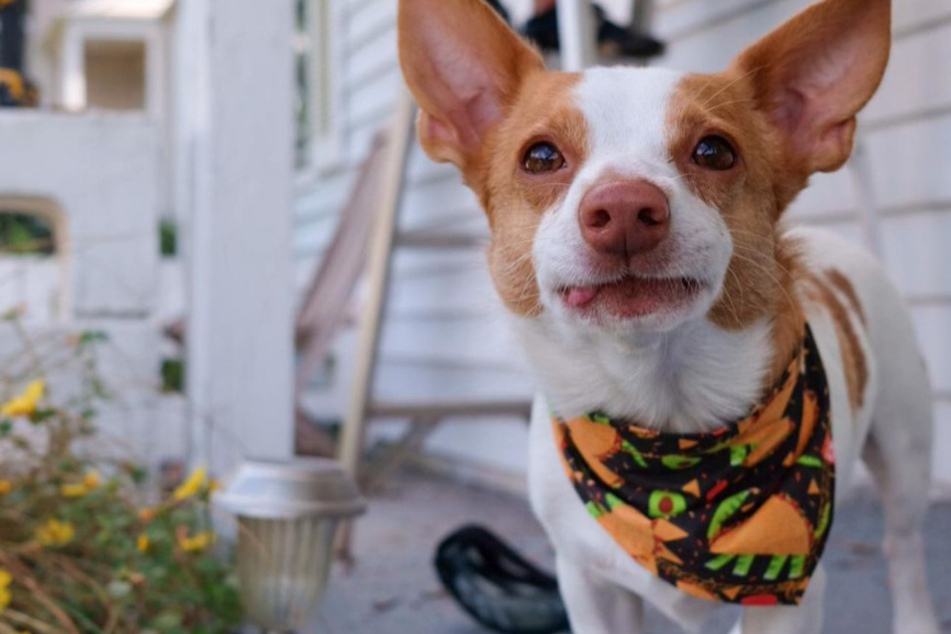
x: 95, y: 178
x: 441, y: 337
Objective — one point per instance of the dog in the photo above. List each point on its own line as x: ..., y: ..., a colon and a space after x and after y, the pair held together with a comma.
x: 639, y: 247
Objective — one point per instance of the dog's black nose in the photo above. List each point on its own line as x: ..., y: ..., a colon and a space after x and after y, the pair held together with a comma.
x: 624, y: 217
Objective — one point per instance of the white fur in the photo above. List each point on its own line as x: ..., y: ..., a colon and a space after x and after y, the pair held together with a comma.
x: 691, y: 379
x: 669, y: 368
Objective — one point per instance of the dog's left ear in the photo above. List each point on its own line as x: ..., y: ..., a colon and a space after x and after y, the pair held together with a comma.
x: 814, y: 74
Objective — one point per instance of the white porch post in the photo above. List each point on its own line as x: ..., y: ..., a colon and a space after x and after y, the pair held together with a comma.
x: 577, y: 35
x: 234, y: 101
x: 72, y: 71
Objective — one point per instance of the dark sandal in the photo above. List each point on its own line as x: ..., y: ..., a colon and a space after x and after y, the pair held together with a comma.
x: 497, y: 587
x: 543, y: 30
x: 499, y: 9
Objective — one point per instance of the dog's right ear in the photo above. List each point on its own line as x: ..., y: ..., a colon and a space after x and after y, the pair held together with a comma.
x: 464, y: 66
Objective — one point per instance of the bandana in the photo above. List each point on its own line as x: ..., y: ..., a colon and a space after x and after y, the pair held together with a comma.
x: 740, y: 514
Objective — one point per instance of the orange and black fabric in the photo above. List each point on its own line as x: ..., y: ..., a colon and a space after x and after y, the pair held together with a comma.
x: 738, y: 515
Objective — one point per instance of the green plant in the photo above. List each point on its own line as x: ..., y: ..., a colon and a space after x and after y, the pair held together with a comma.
x: 80, y: 552
x: 23, y: 234
x: 173, y: 375
x: 168, y: 238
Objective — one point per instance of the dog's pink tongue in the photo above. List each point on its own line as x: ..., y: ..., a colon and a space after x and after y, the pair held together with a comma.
x: 580, y: 296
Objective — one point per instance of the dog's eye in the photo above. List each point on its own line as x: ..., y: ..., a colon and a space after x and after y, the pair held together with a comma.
x: 715, y: 153
x: 541, y: 158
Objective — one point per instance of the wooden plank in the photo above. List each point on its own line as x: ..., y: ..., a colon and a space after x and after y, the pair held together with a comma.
x: 420, y: 240
x: 324, y: 305
x: 439, y: 411
x: 378, y: 269
x: 409, y: 444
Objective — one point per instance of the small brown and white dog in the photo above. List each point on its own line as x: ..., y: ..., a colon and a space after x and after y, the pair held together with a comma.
x: 637, y: 240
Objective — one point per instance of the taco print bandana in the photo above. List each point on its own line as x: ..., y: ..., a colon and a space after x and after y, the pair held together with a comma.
x: 738, y: 515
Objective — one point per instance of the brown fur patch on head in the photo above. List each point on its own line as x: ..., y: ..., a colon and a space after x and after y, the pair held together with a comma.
x: 750, y: 198
x: 821, y: 289
x: 515, y: 201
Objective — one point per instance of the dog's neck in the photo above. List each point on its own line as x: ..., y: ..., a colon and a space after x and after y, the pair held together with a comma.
x: 693, y: 379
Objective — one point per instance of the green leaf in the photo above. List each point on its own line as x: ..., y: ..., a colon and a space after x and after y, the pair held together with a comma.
x: 41, y: 415
x: 168, y: 620
x: 92, y: 336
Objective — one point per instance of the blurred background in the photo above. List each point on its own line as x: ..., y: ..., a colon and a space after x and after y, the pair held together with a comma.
x: 220, y: 186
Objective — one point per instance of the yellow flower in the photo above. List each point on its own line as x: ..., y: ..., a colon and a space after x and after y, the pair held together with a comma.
x: 142, y: 543
x: 91, y: 479
x: 78, y: 490
x: 55, y: 533
x: 199, y: 542
x: 193, y: 485
x: 5, y: 580
x: 5, y: 487
x: 73, y: 490
x: 25, y: 403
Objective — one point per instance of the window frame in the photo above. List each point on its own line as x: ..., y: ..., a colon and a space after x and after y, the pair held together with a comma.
x: 325, y: 147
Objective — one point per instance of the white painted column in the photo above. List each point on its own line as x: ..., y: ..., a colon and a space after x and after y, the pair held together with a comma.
x: 238, y: 140
x: 72, y: 71
x: 577, y: 35
x: 155, y: 74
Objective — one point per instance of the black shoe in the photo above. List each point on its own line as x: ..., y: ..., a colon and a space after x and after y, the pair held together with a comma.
x: 542, y: 29
x: 625, y: 42
x: 619, y: 41
x: 497, y: 587
x: 499, y: 9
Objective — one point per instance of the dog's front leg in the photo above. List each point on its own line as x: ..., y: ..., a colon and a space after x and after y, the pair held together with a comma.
x: 597, y: 606
x: 805, y: 618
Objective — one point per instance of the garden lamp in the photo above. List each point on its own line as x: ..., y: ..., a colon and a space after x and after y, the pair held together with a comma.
x: 287, y: 515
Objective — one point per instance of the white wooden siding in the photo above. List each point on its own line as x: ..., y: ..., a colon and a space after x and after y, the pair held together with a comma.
x: 443, y: 316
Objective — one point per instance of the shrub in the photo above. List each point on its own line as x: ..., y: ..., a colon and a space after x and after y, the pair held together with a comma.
x: 80, y: 551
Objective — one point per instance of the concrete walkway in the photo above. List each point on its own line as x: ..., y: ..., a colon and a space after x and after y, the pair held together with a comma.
x: 393, y: 589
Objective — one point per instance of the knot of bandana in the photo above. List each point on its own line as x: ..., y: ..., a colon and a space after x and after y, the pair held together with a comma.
x: 738, y: 515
